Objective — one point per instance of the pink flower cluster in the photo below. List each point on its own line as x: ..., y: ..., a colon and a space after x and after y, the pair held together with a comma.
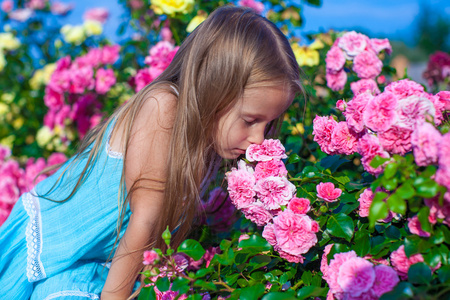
x: 160, y: 57
x: 16, y: 180
x: 365, y: 201
x: 71, y: 92
x: 267, y: 198
x: 393, y: 122
x: 23, y: 14
x: 363, y: 52
x: 402, y: 263
x: 257, y: 6
x: 353, y: 277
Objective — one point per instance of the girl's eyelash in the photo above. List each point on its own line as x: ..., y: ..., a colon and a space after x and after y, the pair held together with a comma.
x: 250, y: 122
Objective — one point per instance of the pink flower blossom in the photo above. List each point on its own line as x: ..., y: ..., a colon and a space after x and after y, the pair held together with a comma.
x: 333, y: 270
x: 298, y: 259
x: 160, y: 56
x: 257, y: 6
x: 105, y: 79
x: 438, y: 211
x: 335, y: 60
x: 7, y: 6
x: 438, y: 107
x: 56, y: 158
x: 365, y: 200
x: 396, y: 140
x: 444, y: 150
x: 356, y: 276
x: 416, y: 228
x: 404, y: 88
x: 341, y: 105
x: 444, y: 97
x: 381, y: 79
x: 269, y: 149
x: 343, y: 140
x: 299, y: 205
x: 21, y: 14
x: 209, y: 254
x: 353, y: 43
x: 150, y: 257
x: 269, y: 234
x: 90, y: 59
x: 364, y: 85
x: 336, y: 81
x: 322, y: 130
x: 380, y: 114
x: 5, y: 152
x: 241, y: 187
x: 60, y: 81
x: 326, y: 191
x: 53, y: 98
x: 380, y: 44
x: 63, y: 63
x: 414, y: 109
x: 425, y: 141
x: 324, y: 261
x: 256, y: 213
x: 87, y: 106
x: 36, y: 4
x: 274, y: 191
x: 293, y: 232
x: 274, y: 167
x: 385, y: 280
x: 32, y: 169
x: 354, y: 111
x: 369, y: 146
x: 81, y: 79
x: 166, y: 34
x: 110, y: 54
x: 60, y: 8
x: 142, y: 78
x: 99, y: 14
x: 401, y: 262
x: 367, y: 65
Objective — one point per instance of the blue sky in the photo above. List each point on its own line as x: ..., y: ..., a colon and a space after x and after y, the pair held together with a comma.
x: 381, y: 18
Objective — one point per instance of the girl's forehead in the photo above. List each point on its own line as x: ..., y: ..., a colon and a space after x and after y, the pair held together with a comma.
x: 266, y: 100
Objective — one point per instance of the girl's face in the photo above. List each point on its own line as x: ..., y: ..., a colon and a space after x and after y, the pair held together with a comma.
x: 245, y: 123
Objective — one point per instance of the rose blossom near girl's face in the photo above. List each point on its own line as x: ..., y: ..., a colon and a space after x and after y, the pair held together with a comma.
x: 245, y: 122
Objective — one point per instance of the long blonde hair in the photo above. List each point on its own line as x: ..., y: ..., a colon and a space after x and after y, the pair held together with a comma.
x: 233, y: 49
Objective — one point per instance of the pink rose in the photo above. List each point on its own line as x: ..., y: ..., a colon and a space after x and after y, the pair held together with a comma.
x: 257, y: 6
x: 5, y: 152
x: 333, y: 270
x: 99, y: 14
x: 425, y: 141
x: 161, y: 55
x: 298, y: 259
x: 269, y: 149
x: 343, y: 140
x: 322, y: 130
x: 444, y: 97
x: 380, y: 44
x: 353, y: 43
x: 401, y: 263
x: 438, y: 107
x: 105, y: 79
x: 438, y: 211
x: 7, y: 6
x: 269, y: 234
x: 354, y: 111
x: 335, y: 60
x: 324, y: 261
x: 81, y: 79
x: 444, y: 150
x: 53, y: 98
x: 341, y: 105
x: 404, y: 88
x: 274, y: 167
x: 364, y: 85
x: 380, y: 114
x: 414, y: 109
x: 256, y: 213
x: 299, y: 205
x: 91, y: 59
x: 356, y: 276
x: 369, y: 146
x: 274, y: 191
x: 416, y: 228
x: 60, y: 8
x: 326, y: 191
x: 56, y: 158
x: 241, y: 187
x: 336, y: 81
x: 110, y: 54
x: 396, y: 140
x: 293, y: 232
x: 166, y: 34
x: 60, y: 81
x: 367, y: 65
x: 150, y: 257
x: 209, y: 254
x: 365, y: 200
x: 385, y: 280
x: 142, y: 78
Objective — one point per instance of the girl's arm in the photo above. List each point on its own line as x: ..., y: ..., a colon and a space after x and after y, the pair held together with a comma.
x: 147, y: 157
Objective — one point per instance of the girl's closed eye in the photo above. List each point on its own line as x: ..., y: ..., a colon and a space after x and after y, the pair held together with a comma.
x: 250, y: 122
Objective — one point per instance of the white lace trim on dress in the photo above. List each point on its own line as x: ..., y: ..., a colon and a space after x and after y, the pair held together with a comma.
x: 72, y: 293
x: 35, y: 269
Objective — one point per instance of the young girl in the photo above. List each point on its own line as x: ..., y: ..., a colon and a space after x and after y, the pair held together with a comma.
x: 144, y: 169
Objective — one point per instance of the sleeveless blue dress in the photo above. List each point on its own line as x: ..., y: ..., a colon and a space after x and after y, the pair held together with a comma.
x: 51, y: 250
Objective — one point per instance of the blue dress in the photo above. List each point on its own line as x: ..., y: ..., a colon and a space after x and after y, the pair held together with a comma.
x: 52, y: 250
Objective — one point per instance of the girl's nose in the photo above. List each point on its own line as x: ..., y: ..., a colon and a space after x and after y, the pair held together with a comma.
x: 257, y: 136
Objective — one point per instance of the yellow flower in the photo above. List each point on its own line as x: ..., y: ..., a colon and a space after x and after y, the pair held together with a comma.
x: 73, y: 34
x: 8, y: 41
x: 44, y: 136
x: 92, y: 27
x: 8, y: 141
x: 305, y: 56
x: 197, y: 20
x: 316, y: 45
x: 171, y: 7
x: 2, y: 61
x: 7, y: 98
x: 4, y: 109
x: 297, y: 129
x: 17, y: 123
x: 42, y: 76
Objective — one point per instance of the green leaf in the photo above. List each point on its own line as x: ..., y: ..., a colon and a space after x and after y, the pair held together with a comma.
x: 396, y: 204
x: 231, y: 279
x: 202, y: 272
x: 393, y: 232
x: 433, y: 257
x: 205, y: 285
x: 378, y: 209
x: 259, y: 261
x: 180, y: 285
x: 252, y: 292
x: 307, y: 277
x: 226, y: 258
x: 378, y: 161
x: 362, y: 245
x: 225, y: 245
x: 423, y: 214
x: 293, y: 158
x: 406, y: 190
x: 390, y: 170
x: 289, y: 295
x: 389, y: 184
x: 163, y: 284
x: 426, y: 187
x: 147, y: 293
x: 332, y: 162
x: 341, y: 225
x: 317, y: 3
x: 444, y: 274
x: 403, y: 290
x: 192, y: 248
x: 419, y: 273
x: 310, y: 172
x: 255, y: 243
x: 311, y: 291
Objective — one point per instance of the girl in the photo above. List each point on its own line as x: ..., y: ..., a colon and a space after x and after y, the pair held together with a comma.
x: 144, y: 169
